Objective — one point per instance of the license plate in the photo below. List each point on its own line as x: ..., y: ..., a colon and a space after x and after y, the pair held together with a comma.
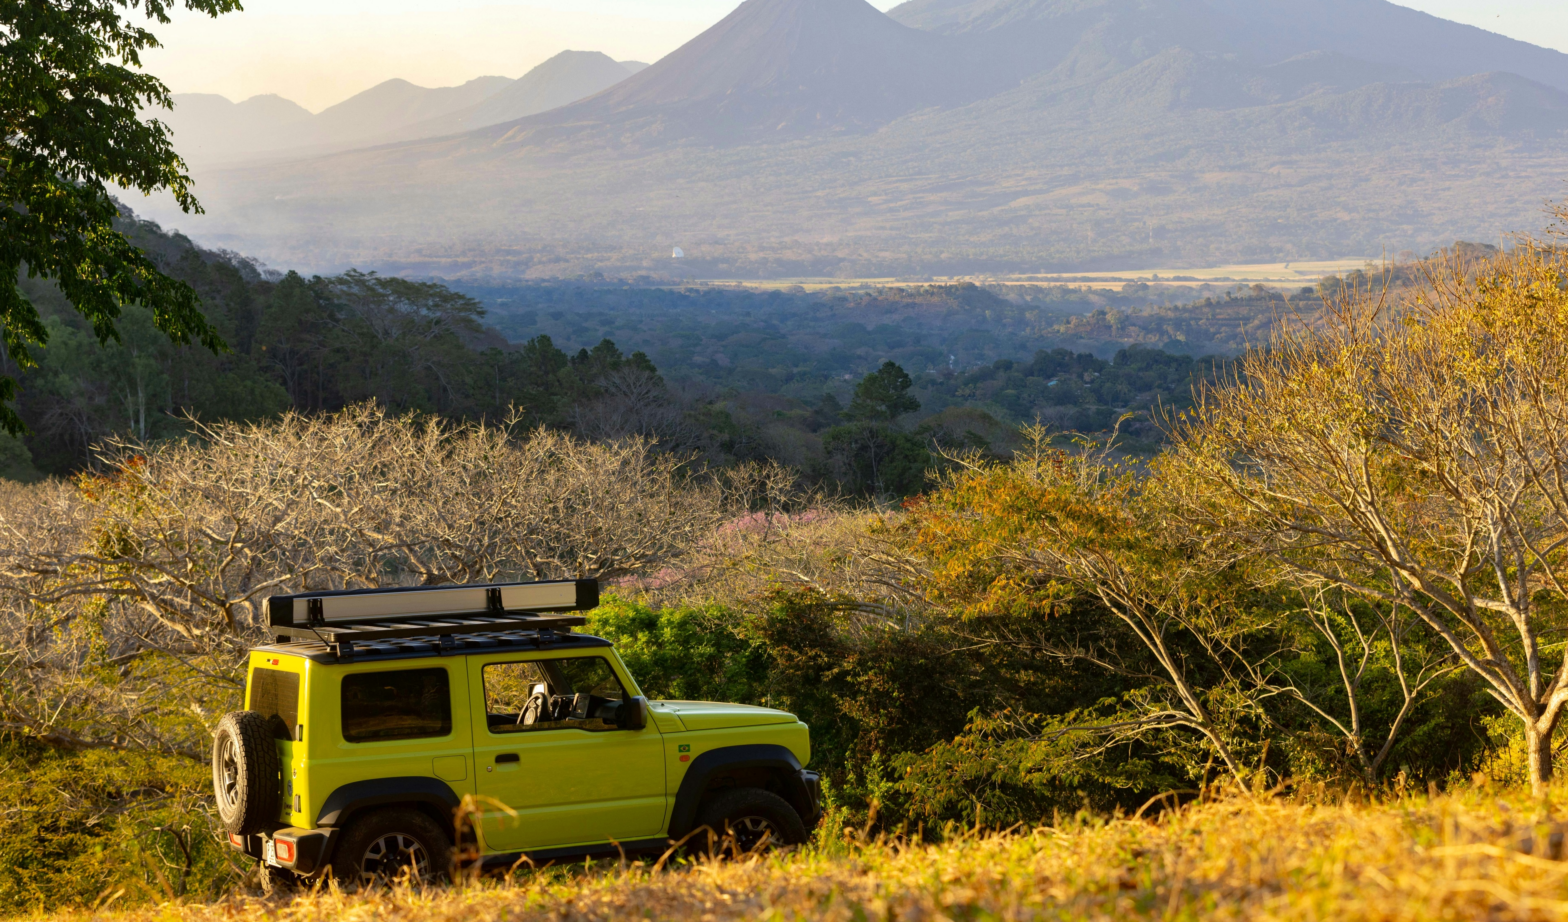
x: 269, y: 853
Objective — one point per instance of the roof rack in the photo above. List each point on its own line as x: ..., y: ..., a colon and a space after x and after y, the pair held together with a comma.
x: 442, y: 614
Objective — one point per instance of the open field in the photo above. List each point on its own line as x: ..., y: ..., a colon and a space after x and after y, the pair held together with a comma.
x: 1287, y: 273
x: 1305, y: 857
x: 1292, y: 273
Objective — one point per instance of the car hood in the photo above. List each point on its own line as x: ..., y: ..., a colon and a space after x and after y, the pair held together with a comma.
x: 717, y: 715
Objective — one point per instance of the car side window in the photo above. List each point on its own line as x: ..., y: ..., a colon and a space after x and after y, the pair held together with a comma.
x: 581, y: 693
x: 402, y: 705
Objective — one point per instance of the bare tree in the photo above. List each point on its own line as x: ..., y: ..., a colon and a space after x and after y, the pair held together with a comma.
x: 127, y: 600
x: 1413, y: 451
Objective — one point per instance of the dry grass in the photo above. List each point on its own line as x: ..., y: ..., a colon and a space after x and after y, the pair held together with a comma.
x: 1240, y: 857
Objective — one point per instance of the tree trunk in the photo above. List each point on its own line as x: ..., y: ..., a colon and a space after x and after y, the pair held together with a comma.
x: 1538, y: 751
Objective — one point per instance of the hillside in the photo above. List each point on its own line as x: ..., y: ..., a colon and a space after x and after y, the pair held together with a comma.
x: 821, y: 137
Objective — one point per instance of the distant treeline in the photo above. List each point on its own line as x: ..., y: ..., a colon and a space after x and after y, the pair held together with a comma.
x: 727, y: 374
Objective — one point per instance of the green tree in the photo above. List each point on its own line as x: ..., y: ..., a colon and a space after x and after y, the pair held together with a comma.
x: 400, y: 342
x: 71, y: 88
x: 868, y: 455
x: 883, y: 395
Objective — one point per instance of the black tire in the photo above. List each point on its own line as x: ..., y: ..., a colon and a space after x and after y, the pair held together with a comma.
x: 377, y: 847
x: 744, y: 820
x: 246, y: 777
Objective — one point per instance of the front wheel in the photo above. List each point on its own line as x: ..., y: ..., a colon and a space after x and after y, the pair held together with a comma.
x: 390, y: 845
x: 746, y: 820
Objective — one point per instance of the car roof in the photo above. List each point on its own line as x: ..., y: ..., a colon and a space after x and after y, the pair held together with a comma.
x: 434, y: 646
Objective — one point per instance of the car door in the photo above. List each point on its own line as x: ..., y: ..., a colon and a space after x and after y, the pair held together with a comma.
x: 566, y: 773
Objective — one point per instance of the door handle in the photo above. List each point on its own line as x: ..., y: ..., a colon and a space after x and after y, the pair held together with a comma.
x: 506, y: 757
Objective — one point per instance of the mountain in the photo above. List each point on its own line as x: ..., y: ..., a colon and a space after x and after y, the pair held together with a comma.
x: 383, y: 110
x: 210, y: 129
x: 822, y: 137
x: 563, y: 79
x: 792, y: 67
x: 1037, y: 35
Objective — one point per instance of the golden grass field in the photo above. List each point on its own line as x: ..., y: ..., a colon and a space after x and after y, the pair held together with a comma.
x: 1241, y: 856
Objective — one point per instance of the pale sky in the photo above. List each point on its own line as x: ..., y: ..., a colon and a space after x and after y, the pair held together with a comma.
x: 319, y: 52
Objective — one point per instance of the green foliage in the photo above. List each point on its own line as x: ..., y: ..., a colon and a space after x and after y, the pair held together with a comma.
x: 393, y: 338
x: 1004, y: 770
x: 799, y: 343
x: 876, y: 461
x: 780, y: 359
x: 883, y: 396
x: 71, y: 92
x: 1079, y: 392
x: 16, y: 462
x: 82, y: 826
x: 685, y: 653
x: 312, y: 344
x: 869, y: 457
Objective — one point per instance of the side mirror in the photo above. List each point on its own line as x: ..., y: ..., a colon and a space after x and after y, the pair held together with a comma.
x: 634, y: 713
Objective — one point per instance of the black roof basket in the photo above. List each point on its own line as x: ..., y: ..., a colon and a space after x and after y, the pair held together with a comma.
x: 340, y: 619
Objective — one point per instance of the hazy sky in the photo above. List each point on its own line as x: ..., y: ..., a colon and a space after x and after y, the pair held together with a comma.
x: 318, y: 52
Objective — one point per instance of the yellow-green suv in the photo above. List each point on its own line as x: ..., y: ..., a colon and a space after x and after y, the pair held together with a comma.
x: 382, y: 720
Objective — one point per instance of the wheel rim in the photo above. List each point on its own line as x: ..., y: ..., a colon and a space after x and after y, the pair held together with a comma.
x: 753, y: 831
x: 228, y: 775
x: 387, y: 858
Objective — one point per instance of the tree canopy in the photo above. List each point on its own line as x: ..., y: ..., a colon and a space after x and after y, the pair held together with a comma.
x: 883, y: 395
x: 71, y: 89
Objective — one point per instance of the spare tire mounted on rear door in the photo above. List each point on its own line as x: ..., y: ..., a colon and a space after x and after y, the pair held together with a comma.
x: 245, y: 773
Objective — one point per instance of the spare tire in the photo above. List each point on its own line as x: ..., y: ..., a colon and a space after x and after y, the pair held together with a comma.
x: 246, y: 777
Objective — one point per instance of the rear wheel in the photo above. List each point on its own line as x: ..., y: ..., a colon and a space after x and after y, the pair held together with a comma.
x: 746, y: 820
x: 388, y: 845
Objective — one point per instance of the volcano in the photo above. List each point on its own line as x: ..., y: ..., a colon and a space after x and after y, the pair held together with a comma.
x: 792, y: 67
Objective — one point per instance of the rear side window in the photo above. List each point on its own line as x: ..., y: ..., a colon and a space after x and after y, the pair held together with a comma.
x: 275, y: 694
x: 403, y: 705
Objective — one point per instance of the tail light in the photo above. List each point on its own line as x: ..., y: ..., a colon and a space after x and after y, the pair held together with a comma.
x: 236, y: 841
x: 284, y: 850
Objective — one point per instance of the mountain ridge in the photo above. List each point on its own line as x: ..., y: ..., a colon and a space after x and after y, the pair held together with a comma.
x: 821, y: 137
x: 1266, y: 30
x: 209, y: 128
x: 561, y: 80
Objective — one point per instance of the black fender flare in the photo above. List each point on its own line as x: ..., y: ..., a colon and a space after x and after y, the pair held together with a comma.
x: 351, y: 798
x: 770, y: 756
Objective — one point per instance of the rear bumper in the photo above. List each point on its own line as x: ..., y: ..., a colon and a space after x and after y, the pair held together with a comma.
x: 311, y: 852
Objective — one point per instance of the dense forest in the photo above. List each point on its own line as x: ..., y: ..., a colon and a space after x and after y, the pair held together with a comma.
x: 728, y: 374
